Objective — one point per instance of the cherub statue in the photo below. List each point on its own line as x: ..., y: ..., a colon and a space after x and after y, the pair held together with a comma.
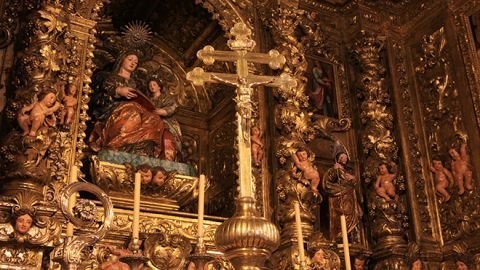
x: 159, y: 176
x: 257, y: 146
x: 70, y: 102
x: 461, y: 168
x: 384, y: 184
x: 41, y: 113
x: 146, y: 174
x: 23, y: 223
x: 443, y: 179
x: 309, y: 170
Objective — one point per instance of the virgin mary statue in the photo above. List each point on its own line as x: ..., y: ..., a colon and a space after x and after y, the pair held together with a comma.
x: 125, y: 119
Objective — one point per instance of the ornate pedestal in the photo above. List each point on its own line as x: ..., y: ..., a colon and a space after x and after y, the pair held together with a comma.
x: 246, y: 239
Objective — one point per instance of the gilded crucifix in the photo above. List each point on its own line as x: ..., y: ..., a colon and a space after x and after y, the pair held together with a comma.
x: 241, y: 45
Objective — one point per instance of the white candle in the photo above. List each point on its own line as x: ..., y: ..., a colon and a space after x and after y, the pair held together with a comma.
x: 298, y: 223
x: 136, y: 206
x: 346, y: 250
x: 73, y: 199
x: 201, y: 207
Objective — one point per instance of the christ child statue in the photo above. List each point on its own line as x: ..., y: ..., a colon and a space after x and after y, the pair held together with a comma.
x: 257, y: 146
x: 70, y: 102
x: 443, y: 179
x: 309, y: 171
x: 384, y: 184
x: 461, y: 168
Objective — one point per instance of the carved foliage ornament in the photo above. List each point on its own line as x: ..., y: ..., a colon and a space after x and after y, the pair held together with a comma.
x: 379, y: 145
x: 50, y: 61
x: 413, y: 146
x: 443, y: 119
x: 82, y: 215
x: 167, y: 250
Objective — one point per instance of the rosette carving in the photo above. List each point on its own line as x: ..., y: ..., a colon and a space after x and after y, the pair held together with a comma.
x: 83, y: 215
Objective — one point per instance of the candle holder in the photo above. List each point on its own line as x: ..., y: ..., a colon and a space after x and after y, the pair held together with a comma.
x: 247, y: 239
x: 136, y: 259
x: 200, y: 257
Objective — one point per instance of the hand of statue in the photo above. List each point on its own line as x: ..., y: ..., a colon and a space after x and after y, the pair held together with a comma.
x: 161, y: 112
x: 127, y: 92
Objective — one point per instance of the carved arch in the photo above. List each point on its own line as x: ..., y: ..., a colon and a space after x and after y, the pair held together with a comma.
x: 223, y: 11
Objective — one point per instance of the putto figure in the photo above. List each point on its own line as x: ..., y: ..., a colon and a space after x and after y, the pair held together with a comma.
x: 257, y: 146
x: 33, y: 116
x: 443, y: 179
x: 309, y: 171
x: 23, y: 222
x: 461, y: 168
x: 70, y: 103
x: 384, y: 185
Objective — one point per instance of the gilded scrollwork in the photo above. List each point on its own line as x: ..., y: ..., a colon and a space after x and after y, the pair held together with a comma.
x: 155, y: 224
x: 119, y: 178
x: 14, y: 256
x: 445, y: 130
x: 52, y: 58
x: 167, y: 250
x: 30, y: 221
x: 83, y: 214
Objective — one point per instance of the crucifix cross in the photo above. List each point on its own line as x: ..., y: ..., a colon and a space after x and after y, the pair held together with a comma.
x: 241, y: 46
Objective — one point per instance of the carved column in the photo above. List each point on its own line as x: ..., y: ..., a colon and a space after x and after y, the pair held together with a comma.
x: 387, y: 215
x: 448, y: 138
x: 292, y: 124
x: 53, y: 58
x: 425, y: 229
